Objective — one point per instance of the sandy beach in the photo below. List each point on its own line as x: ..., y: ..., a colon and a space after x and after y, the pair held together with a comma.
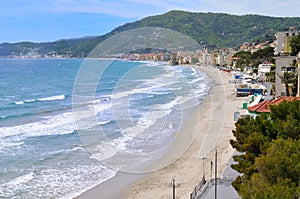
x: 214, y: 129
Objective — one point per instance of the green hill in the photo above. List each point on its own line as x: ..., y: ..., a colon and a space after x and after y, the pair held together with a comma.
x: 214, y: 30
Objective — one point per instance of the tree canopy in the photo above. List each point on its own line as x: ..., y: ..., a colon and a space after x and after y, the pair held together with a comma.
x: 277, y: 173
x: 270, y: 153
x: 289, y: 78
x: 295, y: 45
x: 246, y: 58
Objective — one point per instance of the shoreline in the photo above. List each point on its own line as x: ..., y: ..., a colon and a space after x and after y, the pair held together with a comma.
x: 214, y: 125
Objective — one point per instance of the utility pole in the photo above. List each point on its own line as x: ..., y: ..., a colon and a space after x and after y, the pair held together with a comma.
x: 216, y: 168
x: 203, y: 158
x: 211, y: 168
x: 173, y: 185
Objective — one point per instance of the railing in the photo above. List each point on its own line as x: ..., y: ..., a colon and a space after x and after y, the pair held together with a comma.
x: 197, y: 188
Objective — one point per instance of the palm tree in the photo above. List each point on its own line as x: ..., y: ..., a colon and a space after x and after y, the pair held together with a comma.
x: 288, y: 78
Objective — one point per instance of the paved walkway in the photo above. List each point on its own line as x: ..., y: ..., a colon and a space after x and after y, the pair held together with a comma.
x: 224, y: 188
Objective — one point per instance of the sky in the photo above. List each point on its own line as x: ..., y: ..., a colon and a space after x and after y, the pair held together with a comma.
x: 50, y: 20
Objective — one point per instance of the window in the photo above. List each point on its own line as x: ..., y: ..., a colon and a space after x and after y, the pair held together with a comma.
x: 290, y: 69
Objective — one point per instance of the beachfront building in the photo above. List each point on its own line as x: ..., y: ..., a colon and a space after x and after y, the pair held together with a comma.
x: 282, y: 42
x: 264, y: 107
x: 284, y: 59
x: 221, y: 60
x: 283, y: 65
x: 263, y: 70
x: 206, y: 58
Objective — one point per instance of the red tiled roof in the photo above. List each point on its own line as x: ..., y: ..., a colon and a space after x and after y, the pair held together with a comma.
x: 264, y: 107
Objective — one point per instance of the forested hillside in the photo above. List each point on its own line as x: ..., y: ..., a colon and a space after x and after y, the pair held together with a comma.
x: 215, y: 30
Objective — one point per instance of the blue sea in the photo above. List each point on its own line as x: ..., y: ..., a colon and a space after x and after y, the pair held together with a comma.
x: 44, y: 151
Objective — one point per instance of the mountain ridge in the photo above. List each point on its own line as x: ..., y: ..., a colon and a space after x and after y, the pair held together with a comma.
x: 215, y: 30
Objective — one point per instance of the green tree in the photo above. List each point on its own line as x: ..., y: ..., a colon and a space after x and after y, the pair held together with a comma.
x: 269, y: 146
x: 258, y: 187
x: 295, y: 45
x: 288, y: 78
x: 263, y: 55
x: 278, y: 172
x: 243, y: 59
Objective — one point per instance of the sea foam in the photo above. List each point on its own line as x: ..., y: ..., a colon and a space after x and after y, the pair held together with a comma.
x: 51, y: 98
x: 54, y: 125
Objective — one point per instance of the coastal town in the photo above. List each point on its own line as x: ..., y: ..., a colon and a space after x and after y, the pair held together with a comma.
x: 260, y: 93
x: 250, y: 91
x: 180, y: 105
x: 265, y: 73
x: 255, y: 88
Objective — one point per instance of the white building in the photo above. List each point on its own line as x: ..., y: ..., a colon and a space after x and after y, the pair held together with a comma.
x: 264, y: 69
